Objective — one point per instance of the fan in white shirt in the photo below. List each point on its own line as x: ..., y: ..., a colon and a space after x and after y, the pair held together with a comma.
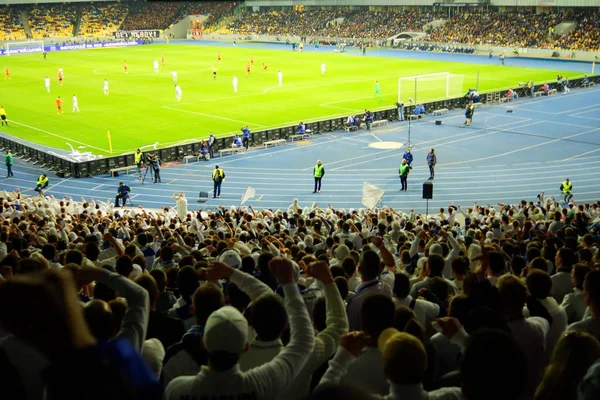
x: 530, y: 333
x: 539, y: 285
x: 377, y: 313
x: 591, y: 292
x: 424, y: 310
x: 574, y: 302
x: 561, y: 281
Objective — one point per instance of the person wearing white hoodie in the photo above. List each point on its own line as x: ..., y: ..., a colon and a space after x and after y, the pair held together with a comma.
x: 182, y: 205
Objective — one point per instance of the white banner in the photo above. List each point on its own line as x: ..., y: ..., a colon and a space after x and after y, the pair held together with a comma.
x: 248, y: 194
x: 371, y: 195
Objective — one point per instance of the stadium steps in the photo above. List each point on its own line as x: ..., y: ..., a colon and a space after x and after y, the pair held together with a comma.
x: 25, y: 22
x: 77, y: 22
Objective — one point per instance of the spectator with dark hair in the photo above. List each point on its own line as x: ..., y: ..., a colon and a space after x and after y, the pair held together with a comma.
x: 49, y: 253
x: 162, y: 327
x: 369, y: 268
x: 425, y: 311
x: 517, y: 264
x: 342, y: 285
x: 574, y: 302
x: 591, y: 293
x: 530, y: 333
x: 377, y: 313
x: 188, y: 355
x: 187, y: 282
x: 349, y: 267
x: 561, y: 280
x: 446, y: 352
x: 165, y: 259
x: 236, y: 298
x: 539, y: 284
x: 496, y: 266
x: 166, y: 299
x: 268, y: 319
x: 460, y: 267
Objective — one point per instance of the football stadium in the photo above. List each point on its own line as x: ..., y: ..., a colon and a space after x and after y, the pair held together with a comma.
x: 318, y: 199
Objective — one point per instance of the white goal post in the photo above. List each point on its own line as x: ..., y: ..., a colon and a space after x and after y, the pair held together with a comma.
x: 429, y: 87
x: 30, y: 46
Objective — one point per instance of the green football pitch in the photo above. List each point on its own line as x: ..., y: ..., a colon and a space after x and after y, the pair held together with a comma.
x: 141, y: 108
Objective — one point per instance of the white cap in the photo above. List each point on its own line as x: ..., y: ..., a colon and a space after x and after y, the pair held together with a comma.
x: 436, y: 249
x: 137, y: 270
x: 231, y: 258
x: 226, y: 330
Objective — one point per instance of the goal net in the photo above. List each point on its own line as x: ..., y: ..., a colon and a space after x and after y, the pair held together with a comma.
x: 31, y: 46
x: 431, y: 87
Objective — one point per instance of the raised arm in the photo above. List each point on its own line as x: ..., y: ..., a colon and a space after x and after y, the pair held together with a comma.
x: 336, y: 318
x: 247, y: 283
x: 135, y: 322
x: 271, y: 378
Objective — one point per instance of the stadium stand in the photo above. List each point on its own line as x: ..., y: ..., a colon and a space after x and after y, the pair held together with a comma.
x: 520, y: 29
x: 10, y: 20
x: 50, y: 20
x: 152, y: 15
x: 101, y: 19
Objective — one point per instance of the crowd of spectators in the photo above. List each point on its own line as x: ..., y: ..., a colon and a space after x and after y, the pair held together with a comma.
x: 381, y: 24
x: 10, y: 21
x: 586, y: 35
x: 151, y: 15
x: 216, y: 10
x: 486, y: 302
x: 520, y: 29
x: 52, y: 20
x: 472, y: 27
x: 312, y: 22
x: 101, y: 19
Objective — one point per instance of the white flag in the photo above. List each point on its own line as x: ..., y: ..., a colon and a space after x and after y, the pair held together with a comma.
x: 371, y: 195
x: 248, y: 194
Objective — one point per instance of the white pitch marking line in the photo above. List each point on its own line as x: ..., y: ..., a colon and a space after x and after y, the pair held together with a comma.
x: 212, y: 116
x: 445, y: 143
x: 56, y: 184
x: 579, y: 155
x: 59, y: 136
x: 524, y: 148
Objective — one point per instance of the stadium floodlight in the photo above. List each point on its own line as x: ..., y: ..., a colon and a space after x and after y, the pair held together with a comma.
x: 30, y: 46
x: 430, y: 87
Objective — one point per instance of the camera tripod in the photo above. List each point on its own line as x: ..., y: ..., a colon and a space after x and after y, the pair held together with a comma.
x: 148, y: 167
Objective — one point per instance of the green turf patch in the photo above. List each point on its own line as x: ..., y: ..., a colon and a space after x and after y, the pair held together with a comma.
x: 141, y: 108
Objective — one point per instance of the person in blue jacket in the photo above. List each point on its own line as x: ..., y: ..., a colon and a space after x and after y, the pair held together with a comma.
x: 408, y: 156
x: 246, y: 136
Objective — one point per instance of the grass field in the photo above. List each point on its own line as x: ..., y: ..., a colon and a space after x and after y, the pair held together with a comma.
x: 141, y: 108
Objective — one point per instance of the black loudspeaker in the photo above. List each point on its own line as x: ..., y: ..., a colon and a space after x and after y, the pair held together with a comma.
x: 428, y: 190
x: 438, y: 121
x: 203, y: 197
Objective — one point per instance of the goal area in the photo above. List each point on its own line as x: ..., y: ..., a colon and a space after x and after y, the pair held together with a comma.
x: 30, y: 46
x: 430, y: 87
